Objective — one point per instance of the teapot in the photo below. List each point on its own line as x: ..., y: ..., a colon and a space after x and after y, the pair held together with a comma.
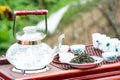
x: 29, y: 52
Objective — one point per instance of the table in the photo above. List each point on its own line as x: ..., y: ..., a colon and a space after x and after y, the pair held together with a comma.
x: 108, y: 71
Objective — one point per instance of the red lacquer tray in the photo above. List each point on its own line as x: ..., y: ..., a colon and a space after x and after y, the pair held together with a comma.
x: 89, y: 50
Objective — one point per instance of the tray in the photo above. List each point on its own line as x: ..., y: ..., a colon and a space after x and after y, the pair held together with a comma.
x: 89, y: 50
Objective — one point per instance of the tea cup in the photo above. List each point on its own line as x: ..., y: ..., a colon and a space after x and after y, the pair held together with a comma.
x: 110, y: 56
x: 65, y: 57
x: 64, y: 48
x: 96, y: 40
x: 77, y: 49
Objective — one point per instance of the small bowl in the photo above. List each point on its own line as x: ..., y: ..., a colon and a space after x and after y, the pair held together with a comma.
x: 77, y: 49
x: 110, y: 56
x: 64, y: 48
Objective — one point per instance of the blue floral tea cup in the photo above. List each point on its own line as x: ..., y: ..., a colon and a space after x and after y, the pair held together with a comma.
x: 77, y: 49
x: 110, y: 56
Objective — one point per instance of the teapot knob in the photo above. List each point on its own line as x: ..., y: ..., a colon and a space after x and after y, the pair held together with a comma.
x: 29, y: 29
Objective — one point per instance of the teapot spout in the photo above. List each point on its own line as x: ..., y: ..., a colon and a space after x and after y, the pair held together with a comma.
x: 58, y: 46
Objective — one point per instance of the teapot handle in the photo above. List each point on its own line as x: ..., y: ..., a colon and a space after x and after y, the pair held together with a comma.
x: 35, y: 12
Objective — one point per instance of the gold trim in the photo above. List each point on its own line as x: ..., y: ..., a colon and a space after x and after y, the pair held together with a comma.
x: 29, y: 42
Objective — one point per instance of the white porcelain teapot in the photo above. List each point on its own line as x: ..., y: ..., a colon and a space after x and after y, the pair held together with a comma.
x: 29, y: 53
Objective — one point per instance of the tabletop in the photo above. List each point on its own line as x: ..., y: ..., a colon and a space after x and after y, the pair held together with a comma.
x: 105, y: 71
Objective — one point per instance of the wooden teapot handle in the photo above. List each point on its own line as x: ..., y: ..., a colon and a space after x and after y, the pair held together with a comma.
x: 36, y: 12
x: 24, y: 13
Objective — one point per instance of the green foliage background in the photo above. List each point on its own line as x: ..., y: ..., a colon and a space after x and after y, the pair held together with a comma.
x: 6, y: 38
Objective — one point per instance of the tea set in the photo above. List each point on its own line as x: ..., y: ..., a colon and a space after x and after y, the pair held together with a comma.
x: 30, y: 55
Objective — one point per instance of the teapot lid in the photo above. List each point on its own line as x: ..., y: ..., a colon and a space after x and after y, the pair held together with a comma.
x: 30, y: 34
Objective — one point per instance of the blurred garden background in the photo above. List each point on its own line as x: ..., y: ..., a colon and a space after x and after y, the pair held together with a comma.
x: 83, y: 18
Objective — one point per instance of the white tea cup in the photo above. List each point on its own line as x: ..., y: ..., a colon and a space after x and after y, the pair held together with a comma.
x: 110, y: 56
x: 77, y: 49
x: 114, y: 45
x: 106, y: 44
x: 64, y: 48
x: 65, y: 57
x: 96, y: 40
